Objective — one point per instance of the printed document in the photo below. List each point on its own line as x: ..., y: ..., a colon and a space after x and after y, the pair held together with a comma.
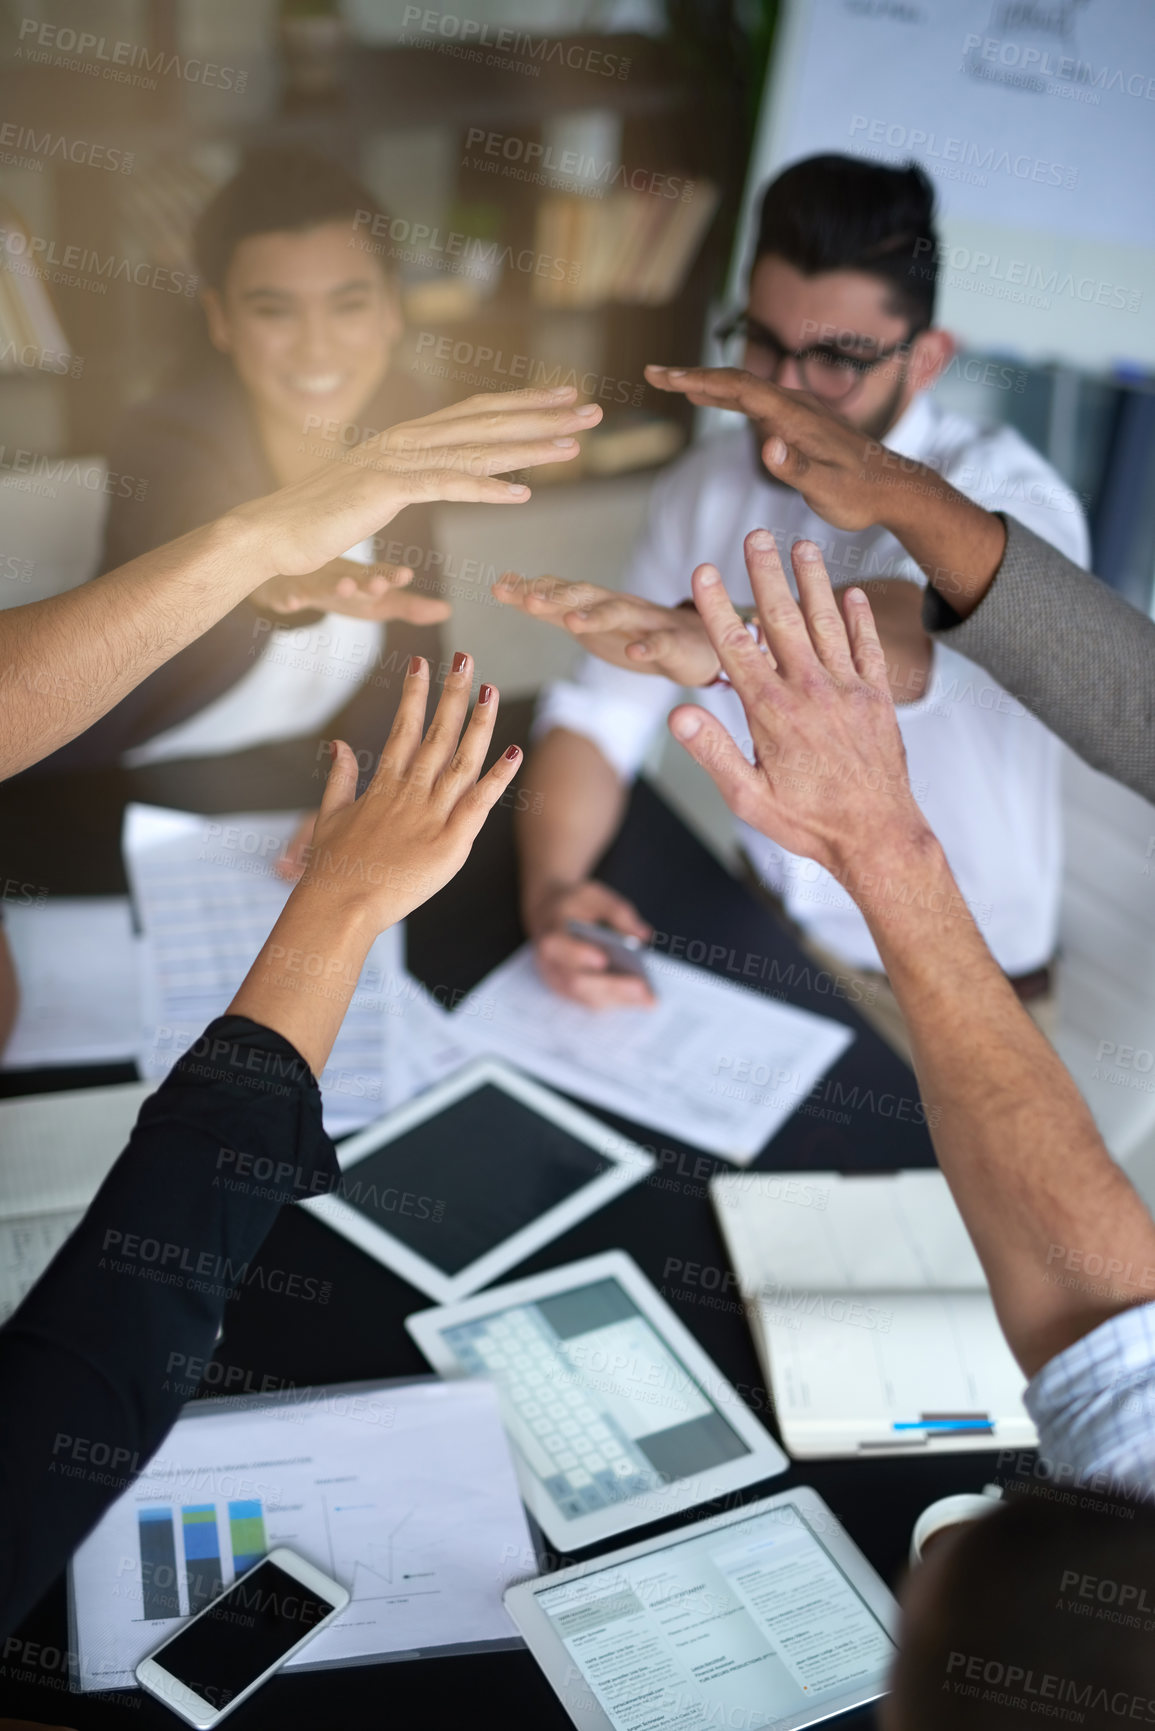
x: 712, y: 1063
x: 207, y: 897
x: 404, y: 1493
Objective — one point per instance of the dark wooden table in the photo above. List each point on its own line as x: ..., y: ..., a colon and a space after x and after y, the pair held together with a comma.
x: 64, y: 838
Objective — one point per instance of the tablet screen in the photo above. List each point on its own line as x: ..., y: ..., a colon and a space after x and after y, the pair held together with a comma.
x: 462, y: 1182
x: 751, y: 1623
x: 595, y: 1402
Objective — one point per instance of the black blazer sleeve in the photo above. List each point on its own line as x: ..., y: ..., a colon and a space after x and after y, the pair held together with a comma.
x: 232, y: 1134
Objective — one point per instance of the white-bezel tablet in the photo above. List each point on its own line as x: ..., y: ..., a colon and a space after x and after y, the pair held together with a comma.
x: 738, y: 1592
x: 615, y: 1415
x: 626, y: 1164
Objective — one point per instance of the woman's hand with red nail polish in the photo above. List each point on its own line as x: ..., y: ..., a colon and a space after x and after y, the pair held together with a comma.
x: 375, y: 858
x: 411, y: 830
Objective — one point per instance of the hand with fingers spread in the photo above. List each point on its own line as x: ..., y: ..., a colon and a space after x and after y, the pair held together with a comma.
x: 854, y: 482
x: 373, y: 592
x: 375, y: 858
x: 1025, y: 1162
x: 829, y: 774
x: 412, y: 828
x: 624, y: 630
x: 456, y: 454
x: 839, y: 470
x: 102, y: 639
x: 579, y: 970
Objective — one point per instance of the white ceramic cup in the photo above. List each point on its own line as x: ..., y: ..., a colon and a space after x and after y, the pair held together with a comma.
x: 948, y: 1512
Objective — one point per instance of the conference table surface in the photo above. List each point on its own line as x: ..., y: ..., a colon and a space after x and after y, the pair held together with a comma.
x: 63, y: 836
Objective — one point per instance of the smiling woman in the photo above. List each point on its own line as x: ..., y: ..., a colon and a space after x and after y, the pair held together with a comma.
x: 304, y: 326
x: 308, y: 322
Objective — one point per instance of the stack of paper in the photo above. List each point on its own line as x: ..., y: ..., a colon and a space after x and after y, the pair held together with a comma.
x: 871, y: 1314
x: 712, y: 1063
x: 55, y: 1150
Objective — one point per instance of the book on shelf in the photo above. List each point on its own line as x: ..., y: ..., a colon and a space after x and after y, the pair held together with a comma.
x: 634, y: 248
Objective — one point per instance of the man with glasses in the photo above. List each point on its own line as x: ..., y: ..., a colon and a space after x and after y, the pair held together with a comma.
x: 837, y: 370
x: 841, y: 304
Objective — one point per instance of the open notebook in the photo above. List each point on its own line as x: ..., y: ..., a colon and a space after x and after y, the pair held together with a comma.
x: 871, y: 1314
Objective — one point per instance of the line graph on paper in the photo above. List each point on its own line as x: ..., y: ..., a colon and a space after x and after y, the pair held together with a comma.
x: 391, y: 1561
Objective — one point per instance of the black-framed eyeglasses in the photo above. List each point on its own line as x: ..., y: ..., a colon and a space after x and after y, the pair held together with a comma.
x: 828, y: 370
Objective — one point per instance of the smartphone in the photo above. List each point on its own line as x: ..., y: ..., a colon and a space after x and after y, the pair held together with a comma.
x: 219, y: 1657
x: 623, y: 951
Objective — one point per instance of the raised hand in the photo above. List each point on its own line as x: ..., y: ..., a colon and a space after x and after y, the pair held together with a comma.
x: 853, y: 482
x: 375, y: 858
x: 373, y: 592
x: 456, y: 454
x: 624, y: 630
x: 411, y: 830
x: 843, y: 474
x: 829, y: 774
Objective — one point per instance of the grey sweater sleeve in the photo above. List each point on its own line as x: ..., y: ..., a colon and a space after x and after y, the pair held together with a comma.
x: 1070, y: 649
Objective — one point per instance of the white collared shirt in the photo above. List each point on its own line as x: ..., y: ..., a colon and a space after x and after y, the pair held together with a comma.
x: 985, y: 772
x: 1094, y: 1408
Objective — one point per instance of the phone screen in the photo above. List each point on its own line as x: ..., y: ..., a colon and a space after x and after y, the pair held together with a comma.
x: 258, y: 1621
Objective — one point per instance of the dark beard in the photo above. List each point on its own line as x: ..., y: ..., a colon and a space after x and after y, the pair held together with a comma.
x: 877, y: 427
x: 880, y: 424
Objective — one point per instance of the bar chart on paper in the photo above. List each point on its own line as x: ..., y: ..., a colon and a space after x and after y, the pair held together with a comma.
x: 382, y: 1551
x: 405, y: 1494
x: 202, y: 1555
x: 246, y: 1534
x: 172, y: 1589
x: 158, y: 1576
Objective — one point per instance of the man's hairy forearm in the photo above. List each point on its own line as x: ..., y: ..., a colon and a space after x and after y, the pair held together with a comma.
x: 579, y: 816
x: 1024, y: 1160
x: 66, y: 661
x: 1038, y: 1191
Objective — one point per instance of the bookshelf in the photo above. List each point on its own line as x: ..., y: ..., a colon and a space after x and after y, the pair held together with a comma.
x: 650, y: 262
